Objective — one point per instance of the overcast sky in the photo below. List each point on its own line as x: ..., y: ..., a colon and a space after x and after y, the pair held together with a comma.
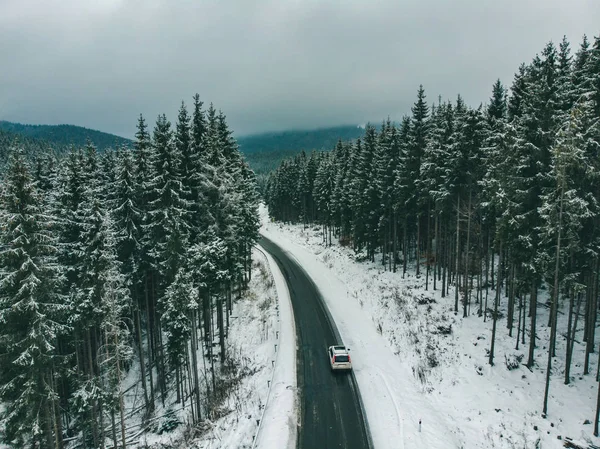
x: 269, y: 65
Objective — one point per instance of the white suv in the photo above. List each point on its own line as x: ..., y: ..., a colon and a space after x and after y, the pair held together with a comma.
x: 339, y: 358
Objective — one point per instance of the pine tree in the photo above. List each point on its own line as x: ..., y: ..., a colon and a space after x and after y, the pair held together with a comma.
x: 563, y: 211
x: 31, y: 312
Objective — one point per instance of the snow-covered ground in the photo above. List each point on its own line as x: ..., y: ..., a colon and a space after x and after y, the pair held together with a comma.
x: 279, y: 426
x: 260, y: 322
x: 254, y: 331
x: 409, y: 369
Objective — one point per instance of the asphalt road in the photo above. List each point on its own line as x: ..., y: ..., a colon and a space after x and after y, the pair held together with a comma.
x: 331, y: 414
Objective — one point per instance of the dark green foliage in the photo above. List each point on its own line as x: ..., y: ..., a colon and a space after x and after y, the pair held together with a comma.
x: 31, y: 147
x: 104, y: 255
x: 31, y: 309
x: 66, y: 135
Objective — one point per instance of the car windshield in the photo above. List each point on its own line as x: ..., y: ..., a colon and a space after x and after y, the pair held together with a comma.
x: 341, y: 358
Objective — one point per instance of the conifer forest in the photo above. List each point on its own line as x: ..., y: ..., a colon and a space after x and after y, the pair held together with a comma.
x: 500, y: 200
x: 100, y: 253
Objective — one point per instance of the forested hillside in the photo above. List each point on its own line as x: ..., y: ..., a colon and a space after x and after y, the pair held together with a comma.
x: 313, y: 139
x: 29, y: 146
x: 264, y: 152
x: 65, y: 135
x: 501, y: 198
x: 121, y: 265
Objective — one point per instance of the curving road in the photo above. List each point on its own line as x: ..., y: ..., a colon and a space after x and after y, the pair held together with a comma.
x: 331, y: 415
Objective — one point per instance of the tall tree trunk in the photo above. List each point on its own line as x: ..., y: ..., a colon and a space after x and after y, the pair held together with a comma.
x: 428, y: 247
x: 571, y: 335
x: 495, y: 317
x: 194, y: 361
x: 50, y: 442
x: 404, y: 247
x: 221, y: 329
x: 395, y: 240
x: 138, y: 323
x: 511, y: 301
x: 150, y: 347
x: 597, y: 403
x: 591, y: 320
x: 444, y: 262
x: 524, y: 320
x: 532, y: 326
x: 436, y: 267
x: 59, y: 444
x: 554, y: 305
x: 417, y: 246
x: 488, y: 253
x: 456, y: 290
x: 467, y: 300
x: 121, y: 404
x: 519, y: 321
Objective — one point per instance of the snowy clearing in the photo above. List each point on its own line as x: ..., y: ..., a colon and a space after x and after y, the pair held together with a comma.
x: 416, y: 360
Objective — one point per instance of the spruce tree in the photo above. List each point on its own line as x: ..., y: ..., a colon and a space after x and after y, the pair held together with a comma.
x: 31, y: 311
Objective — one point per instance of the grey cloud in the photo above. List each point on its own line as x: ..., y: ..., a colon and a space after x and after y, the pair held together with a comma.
x: 269, y: 65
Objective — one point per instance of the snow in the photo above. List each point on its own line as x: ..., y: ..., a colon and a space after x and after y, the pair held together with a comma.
x: 411, y: 367
x: 279, y: 424
x: 254, y: 333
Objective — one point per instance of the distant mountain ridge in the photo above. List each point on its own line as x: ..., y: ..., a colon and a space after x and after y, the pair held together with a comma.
x: 64, y: 135
x: 263, y: 151
x: 297, y: 140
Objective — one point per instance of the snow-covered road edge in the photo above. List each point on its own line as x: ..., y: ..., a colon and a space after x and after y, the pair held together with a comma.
x: 278, y: 428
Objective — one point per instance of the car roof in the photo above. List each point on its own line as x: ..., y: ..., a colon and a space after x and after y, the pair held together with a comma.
x: 339, y: 348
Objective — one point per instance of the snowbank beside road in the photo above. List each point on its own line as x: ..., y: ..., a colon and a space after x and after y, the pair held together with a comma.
x: 278, y: 428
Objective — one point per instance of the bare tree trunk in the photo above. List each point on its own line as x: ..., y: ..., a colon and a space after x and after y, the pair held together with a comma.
x: 532, y: 326
x: 150, y: 347
x: 511, y: 301
x: 391, y: 237
x: 404, y: 248
x: 524, y: 320
x: 59, y: 444
x: 456, y: 290
x: 121, y: 404
x: 194, y: 362
x: 495, y: 317
x: 436, y: 266
x: 467, y: 299
x: 221, y: 327
x: 395, y: 250
x: 591, y: 320
x: 571, y: 335
x: 428, y: 248
x: 597, y: 407
x: 445, y: 254
x: 554, y: 305
x: 141, y: 352
x: 488, y: 253
x: 93, y: 402
x: 417, y: 246
x: 519, y: 322
x: 50, y: 442
x: 492, y: 283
